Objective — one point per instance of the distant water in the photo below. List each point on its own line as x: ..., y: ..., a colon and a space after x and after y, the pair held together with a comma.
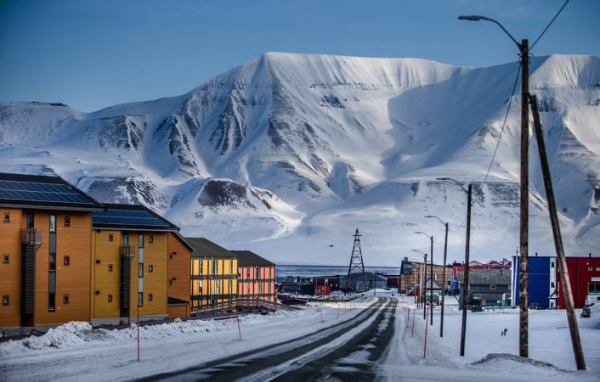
x: 283, y: 271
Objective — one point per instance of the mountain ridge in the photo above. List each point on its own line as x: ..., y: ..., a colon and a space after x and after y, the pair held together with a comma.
x: 284, y: 151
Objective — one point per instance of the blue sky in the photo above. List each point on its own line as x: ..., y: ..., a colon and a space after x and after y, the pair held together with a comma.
x: 92, y: 54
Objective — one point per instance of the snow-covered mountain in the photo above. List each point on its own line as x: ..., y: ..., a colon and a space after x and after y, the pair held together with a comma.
x: 288, y: 154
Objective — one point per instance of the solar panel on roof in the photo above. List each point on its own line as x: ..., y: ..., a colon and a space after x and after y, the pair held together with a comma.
x: 40, y: 192
x: 129, y: 217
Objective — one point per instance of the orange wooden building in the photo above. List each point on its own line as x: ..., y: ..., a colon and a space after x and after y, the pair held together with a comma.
x: 45, y: 241
x: 256, y: 277
x: 179, y: 276
x: 132, y: 250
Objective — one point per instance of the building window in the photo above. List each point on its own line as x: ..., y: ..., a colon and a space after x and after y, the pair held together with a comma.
x: 52, y: 262
x: 65, y: 298
x: 6, y: 258
x: 51, y: 302
x: 552, y: 264
x: 52, y: 223
x: 110, y: 267
x: 231, y: 267
x: 67, y: 221
x: 67, y: 260
x: 215, y: 267
x: 110, y: 298
x: 110, y: 237
x: 552, y: 285
x: 140, y: 298
x: 6, y: 217
x: 151, y: 239
x: 141, y: 270
x: 150, y: 268
x: 5, y: 300
x: 150, y: 297
x: 217, y: 286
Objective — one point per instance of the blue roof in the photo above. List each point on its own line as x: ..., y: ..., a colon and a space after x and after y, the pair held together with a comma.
x: 122, y: 216
x: 33, y: 190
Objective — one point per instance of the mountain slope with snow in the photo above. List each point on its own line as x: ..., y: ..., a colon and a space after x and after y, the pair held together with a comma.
x: 288, y: 154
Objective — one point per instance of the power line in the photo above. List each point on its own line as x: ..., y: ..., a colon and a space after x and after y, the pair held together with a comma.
x: 548, y: 26
x: 512, y: 93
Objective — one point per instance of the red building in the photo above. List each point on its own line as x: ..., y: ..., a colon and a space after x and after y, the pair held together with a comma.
x: 584, y: 277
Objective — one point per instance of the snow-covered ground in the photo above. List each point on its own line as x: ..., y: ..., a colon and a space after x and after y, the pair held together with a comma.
x: 75, y: 352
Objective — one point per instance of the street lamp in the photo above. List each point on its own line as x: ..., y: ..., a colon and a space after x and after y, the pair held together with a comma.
x: 463, y: 333
x: 421, y: 295
x: 524, y: 192
x: 430, y: 276
x: 443, y: 274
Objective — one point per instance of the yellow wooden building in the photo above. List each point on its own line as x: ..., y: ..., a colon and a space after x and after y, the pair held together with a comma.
x: 45, y: 241
x: 214, y: 276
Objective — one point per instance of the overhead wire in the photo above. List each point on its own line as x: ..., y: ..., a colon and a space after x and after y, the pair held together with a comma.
x: 512, y: 93
x: 510, y: 104
x: 550, y: 23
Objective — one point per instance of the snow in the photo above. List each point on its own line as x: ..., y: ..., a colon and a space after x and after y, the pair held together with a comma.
x: 75, y: 351
x: 326, y: 144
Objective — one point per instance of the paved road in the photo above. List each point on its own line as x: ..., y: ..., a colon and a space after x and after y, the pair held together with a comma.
x: 348, y: 351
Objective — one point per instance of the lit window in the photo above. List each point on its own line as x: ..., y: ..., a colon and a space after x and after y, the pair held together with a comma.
x: 6, y: 258
x: 65, y: 298
x: 67, y: 260
x: 67, y: 221
x: 52, y: 223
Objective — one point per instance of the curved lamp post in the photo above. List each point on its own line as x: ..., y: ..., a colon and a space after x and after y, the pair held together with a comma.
x: 443, y: 273
x: 524, y: 212
x: 463, y: 333
x: 524, y: 192
x: 430, y: 276
x: 424, y: 274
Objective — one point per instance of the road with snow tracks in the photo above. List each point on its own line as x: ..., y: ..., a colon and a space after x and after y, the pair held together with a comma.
x: 348, y: 351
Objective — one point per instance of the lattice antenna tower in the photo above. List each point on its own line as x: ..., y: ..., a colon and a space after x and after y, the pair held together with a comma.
x: 356, y: 269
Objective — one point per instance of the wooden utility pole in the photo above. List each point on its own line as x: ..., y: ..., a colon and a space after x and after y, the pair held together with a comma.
x: 558, y: 244
x: 524, y: 203
x: 463, y: 331
x: 431, y: 283
x: 444, y: 282
x: 424, y: 289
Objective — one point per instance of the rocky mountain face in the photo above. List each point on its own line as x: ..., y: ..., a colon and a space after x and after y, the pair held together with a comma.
x: 288, y: 154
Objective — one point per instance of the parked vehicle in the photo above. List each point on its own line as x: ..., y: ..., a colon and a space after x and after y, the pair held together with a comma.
x: 586, y: 312
x: 432, y: 298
